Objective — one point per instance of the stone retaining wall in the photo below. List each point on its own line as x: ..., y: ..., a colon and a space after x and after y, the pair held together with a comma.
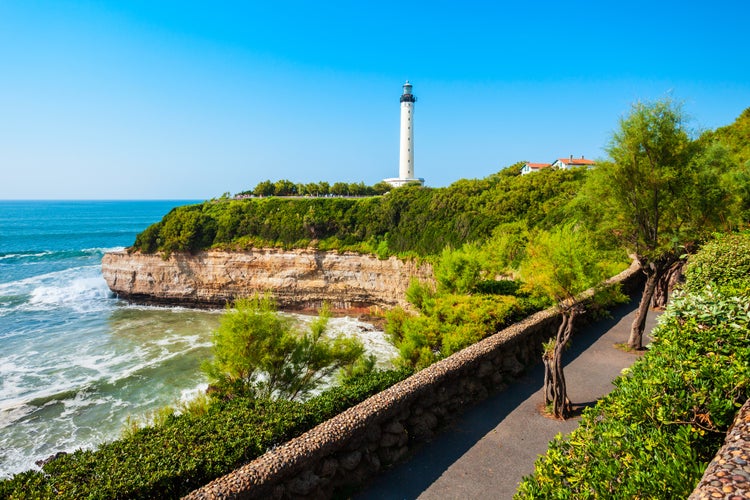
x: 354, y: 445
x: 728, y: 475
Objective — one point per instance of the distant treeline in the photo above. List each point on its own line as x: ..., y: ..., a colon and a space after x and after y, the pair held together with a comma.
x: 286, y: 187
x: 412, y: 219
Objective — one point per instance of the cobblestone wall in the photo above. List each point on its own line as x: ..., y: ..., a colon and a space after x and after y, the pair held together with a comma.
x: 353, y: 446
x: 728, y: 475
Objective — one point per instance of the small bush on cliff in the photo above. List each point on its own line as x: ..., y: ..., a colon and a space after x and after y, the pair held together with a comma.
x: 653, y: 436
x: 260, y: 352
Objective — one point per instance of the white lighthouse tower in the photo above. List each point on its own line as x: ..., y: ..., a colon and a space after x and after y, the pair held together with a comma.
x: 406, y: 150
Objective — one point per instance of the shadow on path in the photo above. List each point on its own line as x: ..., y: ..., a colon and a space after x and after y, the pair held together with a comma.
x: 488, y: 424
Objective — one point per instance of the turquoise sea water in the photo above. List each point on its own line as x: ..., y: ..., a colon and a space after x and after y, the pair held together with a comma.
x: 75, y: 361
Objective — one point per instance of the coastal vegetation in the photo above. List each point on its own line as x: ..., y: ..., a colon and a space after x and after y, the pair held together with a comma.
x: 285, y: 187
x: 260, y: 353
x: 407, y: 221
x: 183, y: 452
x: 560, y: 264
x: 653, y: 436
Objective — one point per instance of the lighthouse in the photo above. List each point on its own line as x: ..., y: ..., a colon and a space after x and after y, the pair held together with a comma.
x: 406, y: 144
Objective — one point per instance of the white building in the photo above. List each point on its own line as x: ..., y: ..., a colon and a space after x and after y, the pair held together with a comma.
x: 560, y: 163
x: 406, y: 150
x: 533, y: 167
x: 566, y: 163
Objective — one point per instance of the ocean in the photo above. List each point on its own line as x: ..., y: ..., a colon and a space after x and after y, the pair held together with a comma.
x: 76, y: 363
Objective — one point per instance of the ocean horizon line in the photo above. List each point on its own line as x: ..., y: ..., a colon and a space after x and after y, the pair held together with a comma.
x: 101, y: 199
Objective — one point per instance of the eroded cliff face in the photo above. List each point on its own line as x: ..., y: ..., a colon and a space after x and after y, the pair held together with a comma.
x: 298, y: 279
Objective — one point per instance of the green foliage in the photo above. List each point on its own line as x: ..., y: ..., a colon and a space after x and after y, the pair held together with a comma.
x: 460, y: 270
x: 735, y: 140
x: 724, y: 261
x: 734, y: 137
x: 662, y: 192
x: 259, y: 352
x: 447, y: 324
x: 653, y: 436
x: 561, y: 263
x: 187, y: 451
x: 408, y: 220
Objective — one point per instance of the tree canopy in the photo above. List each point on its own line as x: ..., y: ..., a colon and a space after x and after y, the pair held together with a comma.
x: 661, y: 193
x: 411, y: 219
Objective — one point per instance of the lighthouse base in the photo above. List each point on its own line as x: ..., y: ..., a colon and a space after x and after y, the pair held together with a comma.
x: 398, y: 181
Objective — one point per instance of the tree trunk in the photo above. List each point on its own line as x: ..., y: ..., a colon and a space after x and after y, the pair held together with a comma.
x: 555, y: 388
x: 666, y: 283
x: 639, y: 322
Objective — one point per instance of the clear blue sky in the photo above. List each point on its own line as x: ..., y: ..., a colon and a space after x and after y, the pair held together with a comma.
x: 188, y: 100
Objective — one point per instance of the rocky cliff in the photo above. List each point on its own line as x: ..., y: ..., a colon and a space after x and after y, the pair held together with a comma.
x: 298, y: 279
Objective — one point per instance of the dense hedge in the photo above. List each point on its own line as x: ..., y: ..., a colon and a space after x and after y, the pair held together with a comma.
x: 722, y: 262
x: 653, y: 436
x: 187, y: 451
x: 409, y: 219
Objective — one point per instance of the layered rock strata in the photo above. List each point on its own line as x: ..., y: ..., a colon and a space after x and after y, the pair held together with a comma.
x: 297, y: 279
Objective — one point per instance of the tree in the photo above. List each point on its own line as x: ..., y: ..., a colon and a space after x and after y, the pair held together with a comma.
x: 560, y: 264
x: 262, y: 353
x: 284, y: 187
x: 648, y: 194
x: 340, y: 189
x: 264, y: 188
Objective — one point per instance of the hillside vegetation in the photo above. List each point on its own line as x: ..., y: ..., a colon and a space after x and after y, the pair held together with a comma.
x: 409, y: 220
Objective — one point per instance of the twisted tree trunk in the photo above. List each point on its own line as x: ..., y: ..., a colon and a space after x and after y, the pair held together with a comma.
x: 666, y: 284
x: 654, y: 272
x: 555, y: 388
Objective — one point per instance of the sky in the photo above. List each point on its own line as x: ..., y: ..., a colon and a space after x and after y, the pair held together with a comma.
x: 189, y: 100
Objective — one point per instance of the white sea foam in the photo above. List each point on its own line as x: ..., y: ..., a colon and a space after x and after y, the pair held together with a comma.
x: 11, y: 256
x: 373, y: 340
x: 47, y: 279
x: 80, y: 294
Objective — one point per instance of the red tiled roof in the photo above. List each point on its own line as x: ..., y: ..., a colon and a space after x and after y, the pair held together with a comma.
x: 576, y: 161
x: 538, y: 165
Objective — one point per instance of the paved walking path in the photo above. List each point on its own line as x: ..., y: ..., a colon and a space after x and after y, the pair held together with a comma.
x: 489, y: 449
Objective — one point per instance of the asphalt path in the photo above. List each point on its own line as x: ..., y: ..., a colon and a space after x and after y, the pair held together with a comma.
x: 488, y: 450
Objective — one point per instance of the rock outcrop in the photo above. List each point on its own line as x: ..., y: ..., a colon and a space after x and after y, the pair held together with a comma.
x: 297, y: 279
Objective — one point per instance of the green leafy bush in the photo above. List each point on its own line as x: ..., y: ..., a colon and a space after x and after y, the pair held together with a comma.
x: 265, y: 355
x: 653, y: 436
x: 448, y: 323
x: 723, y: 261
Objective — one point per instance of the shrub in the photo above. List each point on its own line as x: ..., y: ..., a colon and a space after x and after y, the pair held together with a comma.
x: 447, y: 324
x: 723, y: 261
x: 262, y: 353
